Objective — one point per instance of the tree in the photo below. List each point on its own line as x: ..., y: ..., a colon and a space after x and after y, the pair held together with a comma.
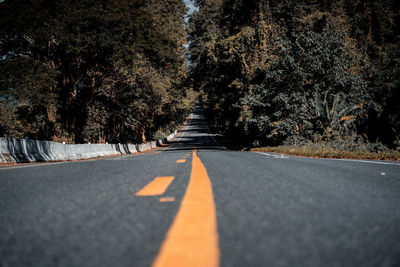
x: 274, y: 72
x: 91, y: 71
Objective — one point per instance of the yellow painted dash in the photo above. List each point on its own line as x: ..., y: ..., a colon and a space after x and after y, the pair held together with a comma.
x: 167, y: 199
x: 156, y: 187
x: 181, y: 161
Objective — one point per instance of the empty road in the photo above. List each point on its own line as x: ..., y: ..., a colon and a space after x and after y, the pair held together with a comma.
x: 196, y: 203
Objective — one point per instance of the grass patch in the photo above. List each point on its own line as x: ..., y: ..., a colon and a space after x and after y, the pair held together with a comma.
x: 324, y: 150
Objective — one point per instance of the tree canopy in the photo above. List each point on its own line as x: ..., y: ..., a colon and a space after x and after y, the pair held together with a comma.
x: 268, y: 72
x: 287, y: 72
x: 92, y: 71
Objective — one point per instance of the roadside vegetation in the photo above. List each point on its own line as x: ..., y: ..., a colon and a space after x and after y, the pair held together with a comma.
x: 302, y: 77
x: 316, y: 76
x: 92, y: 71
x: 327, y: 150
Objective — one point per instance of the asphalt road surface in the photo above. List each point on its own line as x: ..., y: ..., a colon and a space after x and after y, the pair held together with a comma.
x: 196, y: 203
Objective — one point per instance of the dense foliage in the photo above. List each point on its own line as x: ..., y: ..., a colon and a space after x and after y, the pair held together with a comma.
x: 270, y: 72
x: 92, y: 71
x: 289, y: 72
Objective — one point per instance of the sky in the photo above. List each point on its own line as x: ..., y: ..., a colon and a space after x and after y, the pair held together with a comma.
x: 192, y: 8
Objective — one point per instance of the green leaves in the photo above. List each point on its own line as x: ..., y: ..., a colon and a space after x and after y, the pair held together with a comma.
x: 276, y: 72
x: 92, y: 70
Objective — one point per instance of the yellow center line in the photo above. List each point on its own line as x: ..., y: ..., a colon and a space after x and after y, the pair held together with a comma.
x: 156, y: 187
x: 181, y: 161
x: 192, y: 239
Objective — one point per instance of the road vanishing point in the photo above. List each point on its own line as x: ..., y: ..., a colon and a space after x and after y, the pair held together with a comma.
x: 195, y: 203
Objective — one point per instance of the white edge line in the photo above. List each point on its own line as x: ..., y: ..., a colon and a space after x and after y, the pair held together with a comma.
x: 365, y: 161
x: 280, y: 156
x: 121, y: 157
x: 350, y: 160
x: 35, y: 165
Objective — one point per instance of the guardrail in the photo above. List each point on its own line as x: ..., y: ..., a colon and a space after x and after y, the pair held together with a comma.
x: 26, y: 150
